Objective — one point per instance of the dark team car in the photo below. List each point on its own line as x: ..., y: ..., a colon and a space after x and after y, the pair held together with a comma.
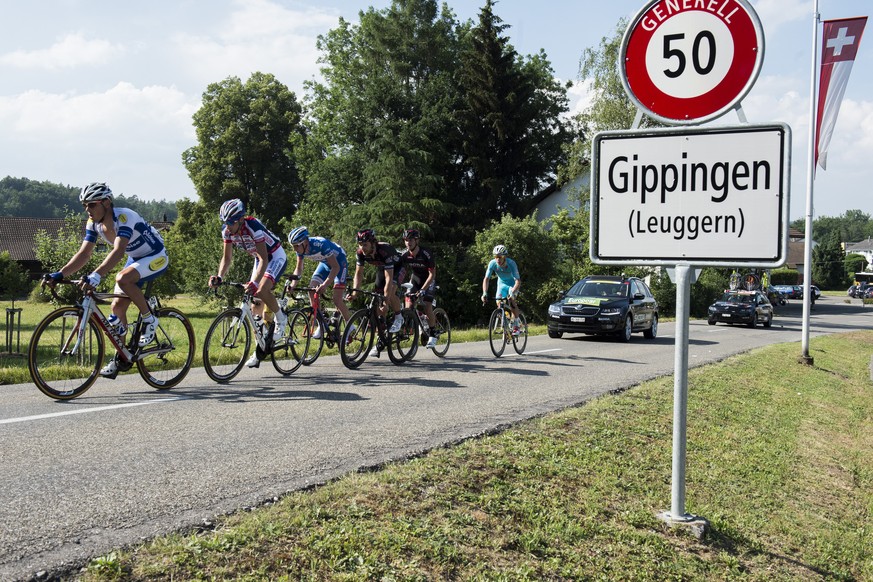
x: 605, y: 305
x: 746, y: 307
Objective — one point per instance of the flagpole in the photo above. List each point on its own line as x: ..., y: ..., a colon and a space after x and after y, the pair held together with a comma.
x: 810, y: 180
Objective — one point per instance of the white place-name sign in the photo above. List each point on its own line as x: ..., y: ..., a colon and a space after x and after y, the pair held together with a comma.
x: 715, y: 196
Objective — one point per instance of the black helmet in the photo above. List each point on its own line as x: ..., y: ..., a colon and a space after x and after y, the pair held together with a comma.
x: 411, y: 233
x: 366, y: 235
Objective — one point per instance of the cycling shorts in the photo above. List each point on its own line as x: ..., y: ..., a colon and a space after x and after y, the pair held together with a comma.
x: 323, y: 270
x: 275, y: 266
x: 380, y: 279
x: 428, y: 294
x: 503, y: 290
x: 149, y: 267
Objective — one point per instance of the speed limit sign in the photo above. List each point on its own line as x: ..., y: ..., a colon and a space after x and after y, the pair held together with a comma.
x: 690, y: 61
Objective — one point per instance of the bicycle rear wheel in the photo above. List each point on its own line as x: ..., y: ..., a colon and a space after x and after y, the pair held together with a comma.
x: 497, y: 332
x: 443, y: 332
x: 403, y: 344
x: 290, y: 354
x: 519, y: 340
x: 357, y: 339
x: 56, y: 372
x: 226, y: 345
x: 166, y: 361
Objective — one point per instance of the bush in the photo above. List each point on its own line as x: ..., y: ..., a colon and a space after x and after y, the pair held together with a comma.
x: 14, y: 282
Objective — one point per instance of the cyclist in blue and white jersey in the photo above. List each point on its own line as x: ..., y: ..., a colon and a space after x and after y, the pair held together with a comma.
x: 127, y: 233
x: 333, y: 265
x: 249, y: 234
x: 508, y: 280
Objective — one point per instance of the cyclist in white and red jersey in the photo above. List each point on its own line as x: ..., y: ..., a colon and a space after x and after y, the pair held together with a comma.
x: 248, y: 234
x: 127, y: 233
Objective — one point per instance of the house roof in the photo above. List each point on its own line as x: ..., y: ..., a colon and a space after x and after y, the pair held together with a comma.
x: 18, y: 234
x: 865, y: 245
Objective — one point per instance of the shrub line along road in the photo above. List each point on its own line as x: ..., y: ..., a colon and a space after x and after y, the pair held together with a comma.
x: 125, y: 462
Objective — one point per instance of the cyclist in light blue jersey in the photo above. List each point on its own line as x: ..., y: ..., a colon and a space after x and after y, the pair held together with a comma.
x: 127, y: 233
x: 333, y: 265
x: 508, y: 280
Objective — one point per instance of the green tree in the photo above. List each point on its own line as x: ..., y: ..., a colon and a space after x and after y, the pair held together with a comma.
x: 827, y: 263
x: 14, y: 282
x: 382, y: 131
x: 853, y: 263
x: 247, y: 137
x: 513, y: 133
x: 851, y: 226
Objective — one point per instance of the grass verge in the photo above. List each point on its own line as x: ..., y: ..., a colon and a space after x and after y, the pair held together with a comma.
x: 780, y: 461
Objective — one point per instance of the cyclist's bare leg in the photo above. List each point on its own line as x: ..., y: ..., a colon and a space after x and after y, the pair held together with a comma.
x: 340, y: 302
x: 127, y: 281
x: 265, y: 294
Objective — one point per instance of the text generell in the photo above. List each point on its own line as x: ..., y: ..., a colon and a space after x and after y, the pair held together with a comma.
x: 625, y: 176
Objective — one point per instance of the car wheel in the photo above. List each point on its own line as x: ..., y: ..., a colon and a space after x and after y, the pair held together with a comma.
x: 625, y: 334
x: 769, y: 321
x: 754, y: 322
x: 711, y: 322
x: 652, y: 332
x: 556, y: 334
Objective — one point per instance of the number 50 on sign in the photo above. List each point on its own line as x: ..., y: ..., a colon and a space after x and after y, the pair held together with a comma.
x: 690, y: 61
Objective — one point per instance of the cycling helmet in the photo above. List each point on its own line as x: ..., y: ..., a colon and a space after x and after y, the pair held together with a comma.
x: 499, y: 250
x: 232, y: 210
x: 366, y: 235
x: 95, y: 191
x: 411, y: 233
x: 298, y: 235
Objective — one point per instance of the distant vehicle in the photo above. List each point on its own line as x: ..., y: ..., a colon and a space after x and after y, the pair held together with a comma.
x: 798, y: 291
x: 788, y: 291
x: 859, y: 291
x: 597, y: 305
x: 746, y: 307
x: 775, y: 296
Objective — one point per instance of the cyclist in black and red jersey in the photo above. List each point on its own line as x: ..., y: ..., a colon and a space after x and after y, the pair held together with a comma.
x: 418, y: 263
x: 385, y: 258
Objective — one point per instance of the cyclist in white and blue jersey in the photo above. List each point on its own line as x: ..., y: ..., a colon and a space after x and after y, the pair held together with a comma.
x: 508, y: 280
x: 333, y: 265
x: 127, y: 233
x: 249, y: 234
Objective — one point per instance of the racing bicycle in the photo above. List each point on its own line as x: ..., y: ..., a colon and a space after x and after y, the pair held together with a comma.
x: 322, y: 328
x: 443, y: 328
x: 501, y: 331
x: 67, y: 348
x: 366, y: 325
x: 229, y: 339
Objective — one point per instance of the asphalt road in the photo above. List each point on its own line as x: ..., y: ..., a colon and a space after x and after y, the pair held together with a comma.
x: 125, y: 462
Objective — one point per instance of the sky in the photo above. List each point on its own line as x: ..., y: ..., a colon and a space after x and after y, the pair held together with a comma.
x: 100, y: 90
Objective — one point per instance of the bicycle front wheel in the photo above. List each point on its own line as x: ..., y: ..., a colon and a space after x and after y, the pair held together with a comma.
x: 402, y: 344
x: 290, y: 354
x: 56, y: 371
x: 497, y: 332
x: 519, y: 340
x: 226, y: 345
x: 357, y: 339
x: 164, y: 363
x: 315, y: 331
x: 443, y: 332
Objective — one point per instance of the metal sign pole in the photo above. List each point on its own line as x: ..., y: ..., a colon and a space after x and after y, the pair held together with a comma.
x: 683, y: 275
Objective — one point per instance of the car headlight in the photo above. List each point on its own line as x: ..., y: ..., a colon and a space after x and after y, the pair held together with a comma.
x: 611, y: 311
x: 712, y: 309
x: 554, y: 309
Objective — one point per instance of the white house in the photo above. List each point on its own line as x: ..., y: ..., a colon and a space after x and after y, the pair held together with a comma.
x: 549, y: 201
x: 864, y: 248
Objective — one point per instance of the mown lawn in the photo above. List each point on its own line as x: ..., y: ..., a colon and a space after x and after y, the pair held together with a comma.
x: 780, y: 461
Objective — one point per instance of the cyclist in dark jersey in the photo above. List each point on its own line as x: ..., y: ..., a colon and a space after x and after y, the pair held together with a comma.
x: 385, y: 258
x: 418, y: 264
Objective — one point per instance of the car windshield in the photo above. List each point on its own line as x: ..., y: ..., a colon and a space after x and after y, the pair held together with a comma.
x: 600, y: 289
x: 737, y: 298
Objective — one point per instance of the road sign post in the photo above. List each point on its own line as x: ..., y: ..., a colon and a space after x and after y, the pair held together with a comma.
x: 714, y: 197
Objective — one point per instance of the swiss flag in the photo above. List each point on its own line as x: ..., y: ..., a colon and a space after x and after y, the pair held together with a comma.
x: 840, y: 41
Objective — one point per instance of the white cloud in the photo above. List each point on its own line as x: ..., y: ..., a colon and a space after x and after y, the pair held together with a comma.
x: 73, y: 50
x: 580, y: 95
x: 776, y: 13
x: 259, y: 36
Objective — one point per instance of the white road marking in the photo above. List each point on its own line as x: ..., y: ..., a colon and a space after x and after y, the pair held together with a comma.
x: 86, y: 410
x: 537, y: 352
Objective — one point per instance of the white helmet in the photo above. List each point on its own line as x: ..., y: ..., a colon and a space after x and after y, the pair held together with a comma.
x: 298, y: 235
x: 499, y: 250
x: 232, y: 210
x: 95, y: 191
